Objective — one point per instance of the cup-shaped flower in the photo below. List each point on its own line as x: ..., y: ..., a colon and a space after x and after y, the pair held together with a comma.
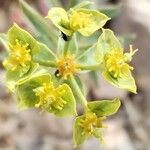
x: 19, y: 60
x: 24, y: 55
x: 67, y: 66
x: 91, y: 124
x: 19, y: 56
x: 85, y: 21
x: 40, y: 92
x: 115, y: 62
x: 86, y: 126
x: 50, y: 96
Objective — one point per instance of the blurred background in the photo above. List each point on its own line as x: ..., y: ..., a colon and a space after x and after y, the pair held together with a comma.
x: 129, y: 129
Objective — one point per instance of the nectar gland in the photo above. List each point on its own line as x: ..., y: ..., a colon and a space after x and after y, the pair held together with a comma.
x: 66, y: 66
x: 117, y: 62
x: 19, y: 55
x: 50, y: 96
x: 91, y: 122
x: 79, y: 20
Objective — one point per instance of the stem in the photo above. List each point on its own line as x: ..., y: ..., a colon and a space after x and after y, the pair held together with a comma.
x: 48, y: 64
x: 78, y: 92
x: 66, y: 46
x: 91, y: 67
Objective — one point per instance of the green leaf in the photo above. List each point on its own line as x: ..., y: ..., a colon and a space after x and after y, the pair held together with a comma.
x: 60, y: 19
x: 26, y: 95
x: 111, y: 10
x: 43, y: 55
x: 39, y: 23
x: 69, y: 108
x: 53, y: 3
x: 106, y: 42
x: 14, y: 77
x: 127, y: 82
x: 97, y: 21
x: 4, y: 40
x: 104, y: 107
x: 78, y: 135
x: 83, y: 59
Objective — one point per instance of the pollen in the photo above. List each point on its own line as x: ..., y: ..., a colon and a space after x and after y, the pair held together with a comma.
x: 67, y: 66
x: 19, y: 55
x: 50, y: 97
x: 79, y: 20
x: 116, y: 63
x: 91, y: 122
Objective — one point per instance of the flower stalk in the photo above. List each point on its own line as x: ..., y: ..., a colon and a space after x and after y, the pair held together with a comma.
x: 78, y: 92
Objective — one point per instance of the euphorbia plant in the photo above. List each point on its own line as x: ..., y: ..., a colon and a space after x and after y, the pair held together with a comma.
x: 49, y: 80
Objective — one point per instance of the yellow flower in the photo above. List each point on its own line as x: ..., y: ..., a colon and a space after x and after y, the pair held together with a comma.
x: 19, y: 55
x: 117, y: 62
x: 50, y: 96
x: 91, y: 122
x: 80, y: 20
x: 67, y: 66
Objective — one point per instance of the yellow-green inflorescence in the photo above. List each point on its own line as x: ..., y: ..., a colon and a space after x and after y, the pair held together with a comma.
x: 90, y: 123
x: 79, y: 20
x: 116, y: 62
x: 19, y: 55
x: 50, y: 96
x: 67, y: 66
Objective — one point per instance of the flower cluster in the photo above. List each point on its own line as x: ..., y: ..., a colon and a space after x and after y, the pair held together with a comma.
x: 51, y: 96
x: 19, y: 56
x: 67, y: 66
x: 50, y: 81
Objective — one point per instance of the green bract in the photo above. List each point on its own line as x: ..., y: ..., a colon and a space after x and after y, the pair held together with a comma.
x: 28, y: 97
x: 104, y: 107
x: 116, y: 69
x: 85, y: 21
x: 90, y: 124
x: 49, y: 80
x: 20, y: 41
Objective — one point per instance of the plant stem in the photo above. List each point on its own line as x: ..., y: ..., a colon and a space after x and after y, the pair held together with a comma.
x: 91, y: 67
x: 66, y: 46
x: 78, y: 92
x: 48, y: 64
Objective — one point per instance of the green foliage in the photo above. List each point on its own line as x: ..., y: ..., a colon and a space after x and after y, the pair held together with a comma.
x: 111, y: 11
x: 40, y: 24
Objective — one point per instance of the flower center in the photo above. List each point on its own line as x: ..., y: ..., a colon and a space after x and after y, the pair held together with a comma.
x: 67, y: 66
x: 79, y: 20
x: 50, y: 96
x: 19, y: 55
x: 90, y: 122
x: 116, y: 63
